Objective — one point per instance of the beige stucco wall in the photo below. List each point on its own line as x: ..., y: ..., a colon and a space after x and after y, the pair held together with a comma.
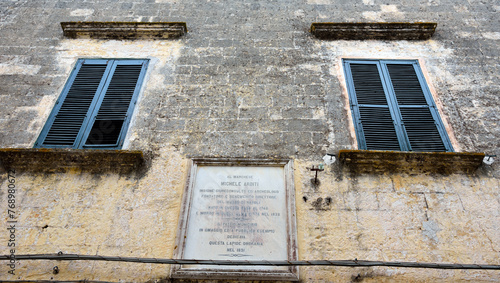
x: 390, y: 217
x: 393, y: 217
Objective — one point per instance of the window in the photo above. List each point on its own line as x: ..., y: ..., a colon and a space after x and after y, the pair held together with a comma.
x: 392, y: 107
x: 95, y: 106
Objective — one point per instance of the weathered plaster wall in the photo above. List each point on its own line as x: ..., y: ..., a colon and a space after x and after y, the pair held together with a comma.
x: 248, y: 80
x: 427, y: 218
x: 98, y: 214
x: 390, y: 217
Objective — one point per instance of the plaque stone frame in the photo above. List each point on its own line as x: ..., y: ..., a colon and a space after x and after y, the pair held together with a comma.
x: 287, y: 232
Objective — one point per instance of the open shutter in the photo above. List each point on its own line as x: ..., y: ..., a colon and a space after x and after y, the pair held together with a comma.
x: 421, y: 121
x: 95, y: 105
x: 109, y: 123
x: 64, y: 126
x: 376, y: 129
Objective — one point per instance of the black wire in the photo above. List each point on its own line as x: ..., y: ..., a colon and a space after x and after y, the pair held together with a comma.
x: 350, y: 263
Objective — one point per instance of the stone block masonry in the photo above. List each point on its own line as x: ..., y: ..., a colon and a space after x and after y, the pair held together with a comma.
x: 248, y: 80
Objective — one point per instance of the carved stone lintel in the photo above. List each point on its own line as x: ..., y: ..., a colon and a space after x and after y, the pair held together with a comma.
x: 124, y: 30
x: 362, y: 31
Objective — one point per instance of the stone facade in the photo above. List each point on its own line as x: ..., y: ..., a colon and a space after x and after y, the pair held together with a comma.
x: 249, y: 80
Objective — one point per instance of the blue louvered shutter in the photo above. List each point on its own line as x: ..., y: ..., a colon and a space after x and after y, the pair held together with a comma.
x: 112, y: 113
x: 74, y: 107
x: 392, y: 107
x: 96, y: 101
x: 371, y: 109
x: 420, y: 120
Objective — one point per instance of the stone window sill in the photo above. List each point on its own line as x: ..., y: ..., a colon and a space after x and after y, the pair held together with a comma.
x: 50, y: 160
x: 372, y: 161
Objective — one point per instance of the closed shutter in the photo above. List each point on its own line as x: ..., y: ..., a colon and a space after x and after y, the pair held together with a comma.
x: 392, y: 107
x: 371, y: 108
x: 94, y: 106
x: 419, y: 124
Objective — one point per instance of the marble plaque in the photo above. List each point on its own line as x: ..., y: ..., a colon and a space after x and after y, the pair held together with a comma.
x: 238, y: 213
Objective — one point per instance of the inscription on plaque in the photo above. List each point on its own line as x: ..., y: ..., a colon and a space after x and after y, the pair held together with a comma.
x: 237, y: 210
x: 238, y: 213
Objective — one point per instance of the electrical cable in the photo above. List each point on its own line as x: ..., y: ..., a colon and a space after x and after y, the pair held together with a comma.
x: 349, y: 263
